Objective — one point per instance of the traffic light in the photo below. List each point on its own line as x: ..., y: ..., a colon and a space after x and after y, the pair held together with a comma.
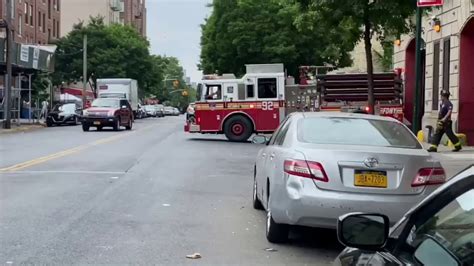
x: 176, y: 84
x: 185, y: 93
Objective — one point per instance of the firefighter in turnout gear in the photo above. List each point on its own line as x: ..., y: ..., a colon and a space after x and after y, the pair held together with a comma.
x: 444, y: 124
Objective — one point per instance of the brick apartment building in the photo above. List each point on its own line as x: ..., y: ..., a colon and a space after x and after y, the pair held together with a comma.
x: 125, y: 12
x: 34, y: 21
x: 135, y: 15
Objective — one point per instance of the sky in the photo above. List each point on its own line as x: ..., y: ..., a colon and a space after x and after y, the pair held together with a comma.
x: 173, y: 28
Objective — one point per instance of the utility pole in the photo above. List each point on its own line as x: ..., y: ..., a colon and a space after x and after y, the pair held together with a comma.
x: 8, y: 83
x: 84, y: 74
x: 418, y: 74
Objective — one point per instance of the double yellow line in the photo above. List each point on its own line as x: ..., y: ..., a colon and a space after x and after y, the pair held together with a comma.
x: 60, y: 154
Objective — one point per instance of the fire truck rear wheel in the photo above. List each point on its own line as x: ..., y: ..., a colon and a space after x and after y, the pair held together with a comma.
x: 238, y: 128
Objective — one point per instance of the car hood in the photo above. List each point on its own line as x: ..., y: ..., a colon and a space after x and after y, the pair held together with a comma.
x: 60, y: 113
x: 101, y: 109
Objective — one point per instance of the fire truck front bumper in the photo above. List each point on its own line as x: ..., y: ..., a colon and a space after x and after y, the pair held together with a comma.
x: 192, y: 128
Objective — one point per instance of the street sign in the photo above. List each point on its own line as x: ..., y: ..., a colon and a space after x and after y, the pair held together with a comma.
x: 426, y: 3
x: 25, y: 53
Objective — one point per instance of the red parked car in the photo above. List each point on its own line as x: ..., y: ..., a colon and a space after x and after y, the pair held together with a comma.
x: 107, y: 112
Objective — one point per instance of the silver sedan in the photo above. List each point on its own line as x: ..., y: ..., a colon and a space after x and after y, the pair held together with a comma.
x: 319, y: 166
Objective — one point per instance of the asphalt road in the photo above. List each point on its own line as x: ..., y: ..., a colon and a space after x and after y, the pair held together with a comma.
x: 149, y: 196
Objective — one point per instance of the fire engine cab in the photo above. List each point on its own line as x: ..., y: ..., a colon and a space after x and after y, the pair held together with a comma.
x: 240, y: 107
x: 261, y: 99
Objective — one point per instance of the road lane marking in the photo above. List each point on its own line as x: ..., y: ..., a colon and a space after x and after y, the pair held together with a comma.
x: 64, y: 153
x: 66, y: 172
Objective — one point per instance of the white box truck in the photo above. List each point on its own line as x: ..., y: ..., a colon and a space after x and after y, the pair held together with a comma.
x: 119, y: 88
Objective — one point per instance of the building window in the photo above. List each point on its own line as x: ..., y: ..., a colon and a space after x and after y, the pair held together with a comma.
x: 20, y: 25
x: 26, y: 13
x: 32, y: 22
x: 57, y: 28
x: 435, y: 94
x: 49, y: 35
x: 54, y: 28
x: 44, y: 23
x: 446, y: 62
x: 39, y: 19
x: 57, y: 5
x: 49, y: 9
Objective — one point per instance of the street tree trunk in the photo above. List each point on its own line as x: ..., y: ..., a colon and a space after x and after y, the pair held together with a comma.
x: 370, y: 65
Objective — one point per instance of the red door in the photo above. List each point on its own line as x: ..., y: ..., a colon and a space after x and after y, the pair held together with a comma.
x: 466, y: 83
x: 209, y: 117
x: 268, y: 117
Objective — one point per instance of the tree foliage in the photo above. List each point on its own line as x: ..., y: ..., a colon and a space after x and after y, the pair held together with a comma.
x: 240, y: 32
x: 116, y: 51
x: 170, y: 71
x: 385, y: 18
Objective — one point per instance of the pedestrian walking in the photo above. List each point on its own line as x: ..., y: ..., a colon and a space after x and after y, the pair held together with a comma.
x: 445, y: 124
x: 44, y: 109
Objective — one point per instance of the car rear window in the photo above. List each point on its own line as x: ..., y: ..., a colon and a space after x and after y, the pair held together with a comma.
x: 355, y: 131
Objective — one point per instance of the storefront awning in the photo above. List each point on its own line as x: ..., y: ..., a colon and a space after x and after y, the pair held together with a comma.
x: 28, y: 58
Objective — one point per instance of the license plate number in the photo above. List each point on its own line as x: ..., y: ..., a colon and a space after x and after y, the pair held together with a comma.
x: 96, y: 122
x: 370, y: 179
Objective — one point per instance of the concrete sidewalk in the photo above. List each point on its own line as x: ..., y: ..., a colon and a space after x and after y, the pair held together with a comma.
x: 453, y: 162
x: 24, y: 126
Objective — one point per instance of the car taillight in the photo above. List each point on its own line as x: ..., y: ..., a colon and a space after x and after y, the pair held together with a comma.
x: 429, y: 176
x: 305, y: 169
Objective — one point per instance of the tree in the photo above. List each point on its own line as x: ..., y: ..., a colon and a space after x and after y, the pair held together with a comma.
x: 384, y: 18
x: 114, y: 51
x: 173, y: 72
x: 240, y: 32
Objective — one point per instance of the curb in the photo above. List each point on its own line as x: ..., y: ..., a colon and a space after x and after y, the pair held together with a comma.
x: 23, y: 129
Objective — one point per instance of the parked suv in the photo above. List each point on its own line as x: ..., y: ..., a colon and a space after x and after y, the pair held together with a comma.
x: 106, y: 112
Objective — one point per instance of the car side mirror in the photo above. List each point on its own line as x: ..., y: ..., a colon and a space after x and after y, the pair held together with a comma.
x: 260, y: 139
x: 430, y: 252
x: 363, y: 231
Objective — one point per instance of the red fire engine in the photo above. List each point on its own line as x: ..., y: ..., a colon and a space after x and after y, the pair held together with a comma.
x: 261, y: 99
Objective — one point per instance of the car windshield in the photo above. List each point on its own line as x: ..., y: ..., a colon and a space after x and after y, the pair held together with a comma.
x: 113, y: 103
x: 65, y: 108
x: 355, y: 131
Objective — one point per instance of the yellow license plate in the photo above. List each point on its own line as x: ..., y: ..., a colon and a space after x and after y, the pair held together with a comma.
x: 96, y: 122
x: 370, y: 179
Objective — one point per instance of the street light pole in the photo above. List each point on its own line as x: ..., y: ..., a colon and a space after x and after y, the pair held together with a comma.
x: 418, y: 74
x: 8, y: 82
x: 84, y: 74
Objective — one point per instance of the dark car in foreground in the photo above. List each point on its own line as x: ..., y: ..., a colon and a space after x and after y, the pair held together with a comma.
x: 437, y: 231
x: 64, y: 113
x: 106, y: 112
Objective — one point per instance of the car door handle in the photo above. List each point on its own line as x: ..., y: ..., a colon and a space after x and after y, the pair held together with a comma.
x: 272, y: 156
x: 264, y: 155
